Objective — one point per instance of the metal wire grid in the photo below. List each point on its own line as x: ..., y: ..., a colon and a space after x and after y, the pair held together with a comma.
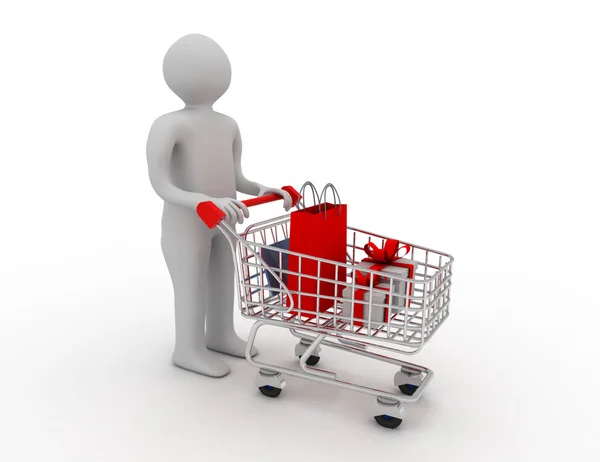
x: 409, y: 324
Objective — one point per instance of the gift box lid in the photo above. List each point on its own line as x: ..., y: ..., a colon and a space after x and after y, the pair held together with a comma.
x: 394, y: 271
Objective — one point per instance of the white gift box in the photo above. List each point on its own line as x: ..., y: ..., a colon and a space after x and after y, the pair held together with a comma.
x: 380, y: 300
x: 378, y: 304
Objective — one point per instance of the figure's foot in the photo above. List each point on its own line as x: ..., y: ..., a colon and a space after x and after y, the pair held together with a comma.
x: 203, y: 363
x: 230, y: 345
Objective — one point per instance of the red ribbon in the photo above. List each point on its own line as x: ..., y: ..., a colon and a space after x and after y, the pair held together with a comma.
x: 388, y: 253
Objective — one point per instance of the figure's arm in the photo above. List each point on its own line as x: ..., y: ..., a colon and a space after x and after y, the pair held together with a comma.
x: 242, y: 184
x: 246, y: 186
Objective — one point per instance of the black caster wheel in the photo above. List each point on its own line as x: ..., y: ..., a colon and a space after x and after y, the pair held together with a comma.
x: 313, y: 360
x: 271, y: 392
x: 388, y: 421
x: 408, y: 389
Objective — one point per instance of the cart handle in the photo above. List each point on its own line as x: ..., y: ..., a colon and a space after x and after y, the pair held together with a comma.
x: 212, y: 215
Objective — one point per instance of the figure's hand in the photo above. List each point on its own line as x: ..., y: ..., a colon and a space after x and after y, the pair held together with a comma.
x: 287, y: 199
x: 234, y: 209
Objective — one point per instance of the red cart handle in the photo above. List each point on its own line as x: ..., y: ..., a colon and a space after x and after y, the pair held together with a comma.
x: 212, y: 215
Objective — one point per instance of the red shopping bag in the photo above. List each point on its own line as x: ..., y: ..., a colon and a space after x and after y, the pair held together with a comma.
x: 318, y: 231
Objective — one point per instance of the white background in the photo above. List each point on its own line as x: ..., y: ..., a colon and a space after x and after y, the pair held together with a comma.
x: 465, y: 126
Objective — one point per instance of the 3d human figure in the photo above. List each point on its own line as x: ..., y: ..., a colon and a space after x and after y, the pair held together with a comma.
x: 194, y: 155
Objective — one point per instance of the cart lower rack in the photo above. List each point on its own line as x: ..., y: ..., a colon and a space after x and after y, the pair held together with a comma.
x: 414, y: 308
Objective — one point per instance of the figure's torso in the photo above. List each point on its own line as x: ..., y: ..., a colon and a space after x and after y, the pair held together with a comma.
x: 202, y: 160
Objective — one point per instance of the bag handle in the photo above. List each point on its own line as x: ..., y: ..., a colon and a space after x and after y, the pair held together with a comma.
x: 323, y: 196
x: 300, y: 205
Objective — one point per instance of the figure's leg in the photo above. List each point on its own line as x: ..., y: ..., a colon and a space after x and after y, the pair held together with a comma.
x: 220, y: 333
x: 188, y: 266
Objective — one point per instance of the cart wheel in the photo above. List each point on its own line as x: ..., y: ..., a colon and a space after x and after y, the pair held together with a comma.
x: 312, y: 361
x: 408, y: 389
x: 388, y: 421
x: 271, y: 392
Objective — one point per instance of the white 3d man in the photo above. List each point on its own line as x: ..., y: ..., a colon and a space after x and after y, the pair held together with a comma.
x: 194, y: 155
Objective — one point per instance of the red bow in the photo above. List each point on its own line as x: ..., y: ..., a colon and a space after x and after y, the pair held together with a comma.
x: 382, y: 258
x: 388, y: 253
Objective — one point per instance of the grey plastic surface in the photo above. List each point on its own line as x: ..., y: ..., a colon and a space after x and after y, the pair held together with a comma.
x: 194, y: 155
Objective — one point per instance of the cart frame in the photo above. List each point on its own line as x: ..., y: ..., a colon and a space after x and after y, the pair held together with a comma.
x: 412, y: 315
x: 332, y: 330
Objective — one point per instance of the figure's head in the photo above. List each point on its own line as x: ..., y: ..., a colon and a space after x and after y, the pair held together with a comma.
x: 197, y: 69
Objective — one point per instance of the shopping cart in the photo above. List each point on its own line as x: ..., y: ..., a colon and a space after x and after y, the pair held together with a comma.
x: 412, y: 316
